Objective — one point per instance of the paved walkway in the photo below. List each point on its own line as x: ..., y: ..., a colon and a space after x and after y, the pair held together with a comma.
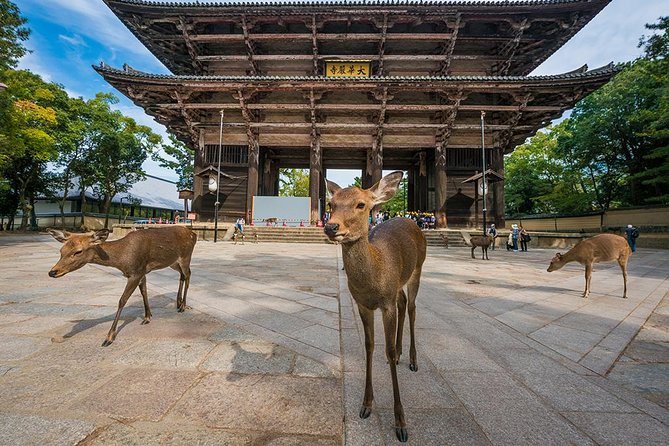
x: 272, y: 352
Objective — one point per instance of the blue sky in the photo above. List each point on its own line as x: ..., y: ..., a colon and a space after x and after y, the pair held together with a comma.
x: 68, y: 36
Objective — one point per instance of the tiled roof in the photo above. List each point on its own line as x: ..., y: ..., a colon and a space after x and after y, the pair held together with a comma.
x: 607, y: 70
x: 359, y: 3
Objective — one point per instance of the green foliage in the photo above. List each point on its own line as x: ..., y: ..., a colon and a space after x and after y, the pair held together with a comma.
x: 613, y: 151
x: 12, y: 33
x: 180, y: 158
x: 397, y: 204
x: 30, y: 121
x: 293, y: 183
x: 539, y: 181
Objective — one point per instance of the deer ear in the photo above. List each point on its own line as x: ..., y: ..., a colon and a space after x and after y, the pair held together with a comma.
x: 386, y: 188
x: 99, y: 236
x: 332, y: 187
x: 61, y: 236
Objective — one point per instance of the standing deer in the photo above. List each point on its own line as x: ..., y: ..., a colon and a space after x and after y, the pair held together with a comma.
x: 135, y: 255
x: 600, y: 248
x: 484, y: 241
x: 378, y: 265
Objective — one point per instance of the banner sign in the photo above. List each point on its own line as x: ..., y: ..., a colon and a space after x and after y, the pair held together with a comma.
x: 348, y: 68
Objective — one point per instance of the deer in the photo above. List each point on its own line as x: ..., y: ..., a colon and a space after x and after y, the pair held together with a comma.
x: 484, y: 241
x: 378, y: 265
x: 135, y: 255
x: 600, y: 248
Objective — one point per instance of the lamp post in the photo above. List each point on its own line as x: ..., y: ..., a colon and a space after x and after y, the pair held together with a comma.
x: 218, y: 179
x: 121, y: 208
x: 483, y: 178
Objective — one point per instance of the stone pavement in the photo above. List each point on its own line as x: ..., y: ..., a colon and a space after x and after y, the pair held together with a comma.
x: 272, y: 352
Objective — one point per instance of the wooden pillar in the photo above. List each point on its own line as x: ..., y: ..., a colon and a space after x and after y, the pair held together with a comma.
x: 411, y: 190
x: 252, y: 178
x: 315, y: 178
x: 440, y: 184
x: 498, y: 187
x: 374, y: 169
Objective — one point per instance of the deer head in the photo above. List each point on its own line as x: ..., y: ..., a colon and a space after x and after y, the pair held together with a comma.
x: 350, y: 207
x: 557, y: 262
x: 77, y: 250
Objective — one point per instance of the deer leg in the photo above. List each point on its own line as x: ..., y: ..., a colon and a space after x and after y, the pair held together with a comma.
x: 588, y: 276
x: 129, y: 288
x: 412, y: 288
x: 473, y: 248
x: 367, y: 317
x: 401, y: 312
x: 623, y: 266
x: 186, y: 279
x: 389, y: 327
x: 145, y: 296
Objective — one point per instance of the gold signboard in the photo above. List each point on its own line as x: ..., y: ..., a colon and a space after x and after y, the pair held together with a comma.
x: 348, y: 68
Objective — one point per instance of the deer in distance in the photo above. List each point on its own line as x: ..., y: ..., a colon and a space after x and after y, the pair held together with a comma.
x: 378, y: 265
x: 135, y: 255
x: 600, y: 248
x: 484, y: 241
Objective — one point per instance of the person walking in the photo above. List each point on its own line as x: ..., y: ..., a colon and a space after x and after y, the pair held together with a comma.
x: 515, y: 232
x: 492, y: 231
x: 524, y: 238
x: 239, y: 224
x: 632, y: 234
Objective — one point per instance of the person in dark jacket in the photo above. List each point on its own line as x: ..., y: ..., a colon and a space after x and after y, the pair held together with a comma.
x: 632, y: 234
x: 492, y: 231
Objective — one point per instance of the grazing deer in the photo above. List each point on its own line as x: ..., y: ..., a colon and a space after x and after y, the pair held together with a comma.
x: 378, y: 265
x: 238, y: 235
x: 484, y: 241
x: 135, y: 255
x: 600, y: 248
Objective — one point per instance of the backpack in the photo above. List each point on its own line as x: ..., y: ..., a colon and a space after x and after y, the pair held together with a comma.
x: 635, y: 233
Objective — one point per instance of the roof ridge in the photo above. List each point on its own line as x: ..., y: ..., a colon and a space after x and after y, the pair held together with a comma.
x: 353, y: 3
x: 578, y: 73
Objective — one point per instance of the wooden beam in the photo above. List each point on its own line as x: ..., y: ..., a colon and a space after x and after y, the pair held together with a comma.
x: 218, y: 38
x: 509, y: 50
x: 314, y: 44
x: 190, y: 125
x: 254, y: 156
x: 507, y: 134
x: 360, y: 126
x: 382, y: 43
x: 315, y: 164
x: 250, y: 48
x: 190, y: 46
x: 362, y: 107
x: 448, y: 50
x: 387, y: 57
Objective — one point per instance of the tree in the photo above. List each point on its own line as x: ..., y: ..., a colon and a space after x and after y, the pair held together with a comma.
x: 119, y: 147
x: 29, y: 119
x: 12, y: 33
x: 181, y: 160
x: 538, y: 180
x: 293, y: 183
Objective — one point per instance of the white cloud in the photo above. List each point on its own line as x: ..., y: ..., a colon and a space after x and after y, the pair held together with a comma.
x: 74, y: 40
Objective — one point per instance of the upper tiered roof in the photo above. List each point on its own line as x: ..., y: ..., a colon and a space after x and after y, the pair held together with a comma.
x: 400, y: 37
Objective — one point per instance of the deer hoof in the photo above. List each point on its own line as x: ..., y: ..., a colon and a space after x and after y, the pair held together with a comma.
x: 365, y: 412
x: 145, y: 321
x: 107, y: 343
x: 413, y: 367
x: 402, y: 434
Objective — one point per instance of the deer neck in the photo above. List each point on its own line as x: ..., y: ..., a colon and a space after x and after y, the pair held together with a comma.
x: 105, y: 254
x: 359, y: 259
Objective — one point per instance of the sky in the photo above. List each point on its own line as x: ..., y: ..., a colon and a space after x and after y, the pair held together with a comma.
x: 68, y: 36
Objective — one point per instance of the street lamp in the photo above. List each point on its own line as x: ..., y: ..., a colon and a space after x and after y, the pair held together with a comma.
x: 483, y: 178
x: 218, y: 179
x: 121, y: 208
